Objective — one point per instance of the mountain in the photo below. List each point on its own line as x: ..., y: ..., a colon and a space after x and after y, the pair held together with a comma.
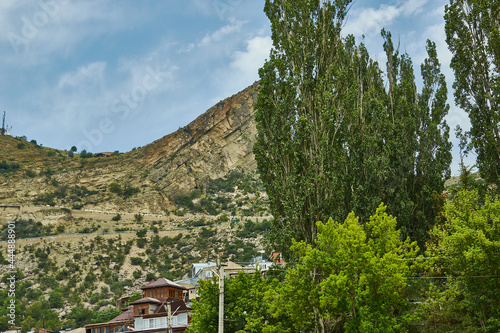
x: 90, y: 230
x: 145, y: 180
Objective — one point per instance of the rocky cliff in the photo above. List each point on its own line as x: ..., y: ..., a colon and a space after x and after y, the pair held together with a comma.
x: 218, y: 141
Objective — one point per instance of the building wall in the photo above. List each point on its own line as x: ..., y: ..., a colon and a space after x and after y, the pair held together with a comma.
x: 141, y: 323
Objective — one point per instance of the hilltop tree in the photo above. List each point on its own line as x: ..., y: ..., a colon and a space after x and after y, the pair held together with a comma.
x: 472, y: 34
x: 332, y: 140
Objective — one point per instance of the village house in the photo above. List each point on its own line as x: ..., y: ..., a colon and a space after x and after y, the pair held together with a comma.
x: 161, y: 307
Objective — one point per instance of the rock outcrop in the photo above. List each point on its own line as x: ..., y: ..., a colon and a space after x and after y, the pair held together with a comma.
x: 218, y: 141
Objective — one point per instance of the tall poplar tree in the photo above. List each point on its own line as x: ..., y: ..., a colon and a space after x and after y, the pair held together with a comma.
x: 332, y: 140
x: 306, y: 102
x: 472, y: 34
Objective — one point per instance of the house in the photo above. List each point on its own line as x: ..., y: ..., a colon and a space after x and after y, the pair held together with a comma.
x: 161, y: 306
x: 277, y: 257
x: 198, y: 267
x: 103, y: 154
x: 205, y: 271
x: 118, y: 324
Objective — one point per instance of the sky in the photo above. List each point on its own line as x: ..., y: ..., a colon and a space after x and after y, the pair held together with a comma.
x: 107, y: 75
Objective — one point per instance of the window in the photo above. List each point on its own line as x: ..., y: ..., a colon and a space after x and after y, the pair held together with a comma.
x: 107, y: 329
x: 151, y: 323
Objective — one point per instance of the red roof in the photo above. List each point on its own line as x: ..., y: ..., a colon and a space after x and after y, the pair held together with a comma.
x: 162, y: 282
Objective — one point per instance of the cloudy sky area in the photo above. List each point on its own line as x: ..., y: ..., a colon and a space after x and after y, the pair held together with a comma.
x: 113, y: 75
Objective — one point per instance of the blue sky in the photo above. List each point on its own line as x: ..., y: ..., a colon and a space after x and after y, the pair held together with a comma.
x: 112, y: 75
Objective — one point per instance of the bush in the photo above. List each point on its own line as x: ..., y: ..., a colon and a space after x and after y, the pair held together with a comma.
x: 129, y: 190
x: 85, y: 154
x: 30, y: 173
x: 7, y: 168
x: 115, y: 188
x: 117, y: 217
x: 141, y: 242
x: 137, y: 274
x: 77, y: 206
x: 138, y: 217
x: 135, y: 261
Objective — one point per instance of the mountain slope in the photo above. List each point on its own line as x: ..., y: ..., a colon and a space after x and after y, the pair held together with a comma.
x: 146, y: 180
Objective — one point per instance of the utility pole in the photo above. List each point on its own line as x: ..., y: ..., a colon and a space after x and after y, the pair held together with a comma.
x: 221, y: 295
x: 169, y: 311
x: 3, y: 124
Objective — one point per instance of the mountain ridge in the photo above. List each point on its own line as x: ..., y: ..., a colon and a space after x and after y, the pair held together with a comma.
x: 215, y: 143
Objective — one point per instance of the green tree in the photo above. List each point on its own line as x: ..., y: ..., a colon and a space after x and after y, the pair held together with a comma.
x: 416, y: 142
x: 205, y: 317
x: 354, y: 278
x: 246, y: 306
x: 472, y: 34
x: 332, y: 140
x: 467, y: 251
x: 115, y: 188
x: 42, y: 315
x: 305, y: 108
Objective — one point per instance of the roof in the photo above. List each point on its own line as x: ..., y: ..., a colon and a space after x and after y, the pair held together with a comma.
x: 162, y: 282
x: 177, y: 306
x: 146, y: 300
x: 125, y: 316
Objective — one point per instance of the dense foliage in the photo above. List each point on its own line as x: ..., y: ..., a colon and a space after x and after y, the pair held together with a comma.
x: 363, y: 278
x: 331, y: 139
x: 466, y: 249
x: 473, y: 37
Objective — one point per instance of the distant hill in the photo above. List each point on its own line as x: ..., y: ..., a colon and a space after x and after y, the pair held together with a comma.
x: 90, y: 230
x: 145, y: 180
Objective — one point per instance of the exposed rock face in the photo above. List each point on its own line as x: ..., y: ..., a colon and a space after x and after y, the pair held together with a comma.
x: 218, y: 141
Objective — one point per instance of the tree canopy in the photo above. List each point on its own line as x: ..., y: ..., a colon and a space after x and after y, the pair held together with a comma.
x: 472, y: 34
x: 331, y: 139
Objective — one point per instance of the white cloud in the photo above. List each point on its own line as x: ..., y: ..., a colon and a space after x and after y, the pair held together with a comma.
x: 247, y: 62
x: 371, y: 20
x: 92, y: 73
x: 244, y: 67
x: 218, y: 35
x: 413, y: 7
x: 32, y: 33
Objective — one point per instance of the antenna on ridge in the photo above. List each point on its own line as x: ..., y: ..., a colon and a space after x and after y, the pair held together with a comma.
x: 3, y: 124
